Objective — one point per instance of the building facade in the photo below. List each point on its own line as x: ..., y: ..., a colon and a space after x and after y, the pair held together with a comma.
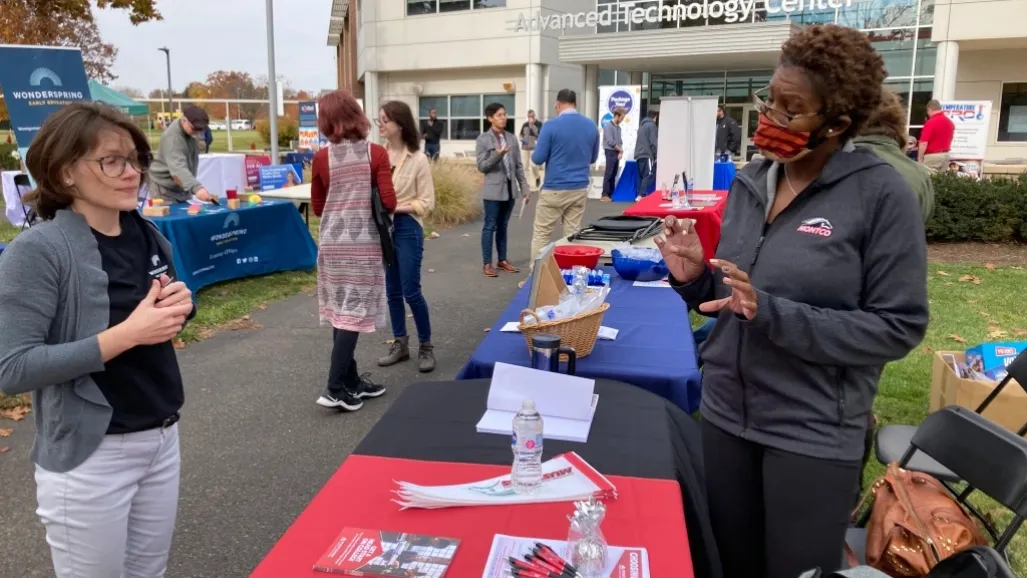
x: 458, y: 55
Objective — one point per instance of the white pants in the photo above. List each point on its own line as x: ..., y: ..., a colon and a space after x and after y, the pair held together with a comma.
x: 113, y: 516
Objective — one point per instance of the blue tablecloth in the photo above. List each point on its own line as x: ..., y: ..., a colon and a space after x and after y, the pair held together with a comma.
x: 723, y: 175
x: 627, y: 183
x: 219, y: 244
x: 298, y: 158
x: 654, y: 349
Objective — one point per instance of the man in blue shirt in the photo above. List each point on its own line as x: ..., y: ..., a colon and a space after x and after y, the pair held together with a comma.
x: 568, y: 146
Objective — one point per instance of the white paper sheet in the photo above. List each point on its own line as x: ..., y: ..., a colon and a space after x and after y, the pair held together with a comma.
x: 620, y: 561
x: 566, y: 402
x: 660, y: 283
x: 606, y: 333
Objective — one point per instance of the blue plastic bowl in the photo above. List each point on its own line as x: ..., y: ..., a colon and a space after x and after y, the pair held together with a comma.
x: 637, y: 269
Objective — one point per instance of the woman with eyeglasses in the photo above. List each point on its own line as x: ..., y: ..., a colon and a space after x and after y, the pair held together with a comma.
x: 415, y: 198
x: 819, y: 280
x: 89, y: 305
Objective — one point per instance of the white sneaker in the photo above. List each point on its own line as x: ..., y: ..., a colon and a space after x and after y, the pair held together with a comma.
x: 638, y: 198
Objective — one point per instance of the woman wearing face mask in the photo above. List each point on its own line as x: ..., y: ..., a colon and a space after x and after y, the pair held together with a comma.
x: 88, y: 308
x: 415, y: 198
x: 819, y: 280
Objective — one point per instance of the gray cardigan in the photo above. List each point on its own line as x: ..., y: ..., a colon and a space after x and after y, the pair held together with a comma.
x: 173, y: 169
x: 490, y: 164
x: 53, y: 304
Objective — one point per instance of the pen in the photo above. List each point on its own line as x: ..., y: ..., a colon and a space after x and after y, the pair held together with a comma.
x: 547, y: 554
x: 521, y: 567
x: 541, y: 563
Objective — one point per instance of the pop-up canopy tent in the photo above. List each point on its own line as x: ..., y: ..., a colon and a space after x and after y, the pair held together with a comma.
x: 114, y: 98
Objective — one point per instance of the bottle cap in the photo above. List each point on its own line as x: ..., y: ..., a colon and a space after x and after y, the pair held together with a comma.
x: 528, y: 404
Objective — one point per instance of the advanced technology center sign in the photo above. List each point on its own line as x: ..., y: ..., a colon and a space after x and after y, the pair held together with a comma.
x: 731, y: 11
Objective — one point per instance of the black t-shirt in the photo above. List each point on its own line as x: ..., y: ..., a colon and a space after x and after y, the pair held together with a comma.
x: 143, y: 385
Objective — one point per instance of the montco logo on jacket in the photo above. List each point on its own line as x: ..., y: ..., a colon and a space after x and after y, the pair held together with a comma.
x: 817, y: 226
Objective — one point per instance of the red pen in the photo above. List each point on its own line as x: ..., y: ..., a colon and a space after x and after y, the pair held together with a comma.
x: 536, y: 560
x: 547, y: 554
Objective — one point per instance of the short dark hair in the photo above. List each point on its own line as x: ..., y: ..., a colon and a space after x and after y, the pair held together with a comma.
x: 66, y: 136
x: 399, y: 113
x: 339, y: 117
x: 493, y: 108
x: 620, y: 111
x: 567, y: 96
x: 652, y: 113
x: 933, y: 105
x: 720, y: 107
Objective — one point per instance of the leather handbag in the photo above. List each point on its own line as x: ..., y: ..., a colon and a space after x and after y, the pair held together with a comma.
x: 382, y: 219
x: 914, y: 524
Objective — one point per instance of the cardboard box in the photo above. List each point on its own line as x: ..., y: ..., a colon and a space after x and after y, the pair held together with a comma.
x: 1009, y: 409
x: 991, y: 359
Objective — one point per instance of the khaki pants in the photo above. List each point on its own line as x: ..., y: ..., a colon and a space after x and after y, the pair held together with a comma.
x: 532, y: 172
x: 937, y: 161
x: 566, y: 207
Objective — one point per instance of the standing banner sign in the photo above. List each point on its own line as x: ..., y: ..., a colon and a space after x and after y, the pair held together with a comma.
x: 308, y: 135
x: 630, y: 98
x: 38, y: 80
x: 973, y: 122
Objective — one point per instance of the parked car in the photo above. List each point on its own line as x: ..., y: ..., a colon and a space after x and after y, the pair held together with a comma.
x: 242, y: 124
x: 217, y: 125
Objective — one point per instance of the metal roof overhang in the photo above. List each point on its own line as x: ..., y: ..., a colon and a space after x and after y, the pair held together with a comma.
x: 337, y: 22
x: 723, y: 47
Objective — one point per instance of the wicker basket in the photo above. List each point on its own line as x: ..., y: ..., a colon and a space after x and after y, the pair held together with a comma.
x: 579, y: 331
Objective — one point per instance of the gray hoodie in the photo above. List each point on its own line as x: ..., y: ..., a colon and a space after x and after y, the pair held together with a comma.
x: 645, y: 140
x: 841, y: 283
x: 174, y: 167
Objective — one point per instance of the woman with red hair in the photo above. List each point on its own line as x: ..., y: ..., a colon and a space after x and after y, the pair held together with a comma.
x: 350, y: 274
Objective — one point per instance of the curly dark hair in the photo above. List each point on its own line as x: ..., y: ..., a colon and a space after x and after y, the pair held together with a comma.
x: 888, y: 120
x: 845, y: 70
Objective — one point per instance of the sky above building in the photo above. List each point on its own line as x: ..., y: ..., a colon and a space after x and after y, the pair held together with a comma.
x: 205, y: 36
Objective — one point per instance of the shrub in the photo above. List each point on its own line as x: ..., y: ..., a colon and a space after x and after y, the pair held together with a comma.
x: 990, y: 210
x: 457, y: 193
x: 9, y: 161
x: 288, y: 130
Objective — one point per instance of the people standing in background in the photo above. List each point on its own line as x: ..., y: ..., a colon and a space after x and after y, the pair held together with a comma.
x: 88, y: 311
x: 911, y: 148
x: 173, y: 172
x: 208, y: 137
x: 613, y: 148
x: 432, y: 131
x: 568, y: 147
x: 500, y: 161
x: 350, y: 272
x: 415, y: 198
x: 529, y: 136
x: 936, y: 138
x: 645, y: 152
x: 729, y: 136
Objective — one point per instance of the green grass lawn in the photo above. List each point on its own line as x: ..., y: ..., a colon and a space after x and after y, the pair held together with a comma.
x: 241, y: 140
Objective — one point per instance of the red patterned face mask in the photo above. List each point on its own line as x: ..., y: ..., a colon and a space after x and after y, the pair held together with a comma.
x: 781, y: 144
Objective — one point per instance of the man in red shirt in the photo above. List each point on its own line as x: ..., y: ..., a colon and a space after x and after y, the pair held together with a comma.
x: 936, y: 138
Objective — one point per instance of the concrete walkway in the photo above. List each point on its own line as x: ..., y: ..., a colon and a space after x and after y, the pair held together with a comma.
x: 255, y: 447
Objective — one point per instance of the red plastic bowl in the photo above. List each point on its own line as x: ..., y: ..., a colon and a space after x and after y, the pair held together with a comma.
x: 570, y: 256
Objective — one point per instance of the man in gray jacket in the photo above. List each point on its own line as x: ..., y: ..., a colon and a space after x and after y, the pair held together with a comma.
x: 173, y: 171
x: 645, y: 152
x: 613, y: 147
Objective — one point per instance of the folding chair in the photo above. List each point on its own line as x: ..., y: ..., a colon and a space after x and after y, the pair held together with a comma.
x: 987, y: 456
x: 893, y: 440
x: 24, y: 186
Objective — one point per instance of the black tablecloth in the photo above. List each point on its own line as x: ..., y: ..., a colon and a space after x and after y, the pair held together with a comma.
x: 634, y: 433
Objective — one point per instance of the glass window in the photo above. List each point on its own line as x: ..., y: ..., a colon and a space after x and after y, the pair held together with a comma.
x: 741, y: 85
x: 645, y: 24
x: 465, y: 128
x: 922, y: 93
x: 702, y: 84
x: 668, y: 22
x: 465, y: 105
x: 926, y: 12
x: 896, y: 47
x: 454, y: 5
x: 1012, y: 113
x: 607, y: 77
x: 868, y: 14
x: 439, y: 103
x: 507, y: 100
x: 687, y: 22
x: 926, y: 54
x: 416, y: 7
x: 489, y: 4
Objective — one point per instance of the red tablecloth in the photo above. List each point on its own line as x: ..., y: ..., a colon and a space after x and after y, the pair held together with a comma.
x: 647, y: 513
x: 707, y: 219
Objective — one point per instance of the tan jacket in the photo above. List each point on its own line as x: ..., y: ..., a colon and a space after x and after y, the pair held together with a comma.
x: 411, y: 177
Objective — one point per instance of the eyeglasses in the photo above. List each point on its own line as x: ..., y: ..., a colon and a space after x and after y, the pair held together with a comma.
x: 113, y: 166
x: 778, y: 117
x: 378, y: 122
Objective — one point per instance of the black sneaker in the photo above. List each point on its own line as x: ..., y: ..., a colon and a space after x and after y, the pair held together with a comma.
x: 369, y: 388
x: 345, y: 400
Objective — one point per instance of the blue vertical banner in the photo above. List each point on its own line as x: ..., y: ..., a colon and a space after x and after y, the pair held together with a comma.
x: 38, y: 80
x: 308, y: 133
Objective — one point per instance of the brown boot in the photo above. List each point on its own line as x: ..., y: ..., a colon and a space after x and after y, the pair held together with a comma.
x: 508, y: 267
x: 426, y: 357
x: 490, y: 271
x: 399, y: 351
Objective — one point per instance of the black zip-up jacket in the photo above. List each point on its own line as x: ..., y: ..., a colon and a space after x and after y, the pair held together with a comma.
x: 841, y: 283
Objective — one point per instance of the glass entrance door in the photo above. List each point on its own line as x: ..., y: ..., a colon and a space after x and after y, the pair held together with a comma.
x: 747, y: 118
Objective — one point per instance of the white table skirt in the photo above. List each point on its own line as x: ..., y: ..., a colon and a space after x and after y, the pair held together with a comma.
x: 13, y: 208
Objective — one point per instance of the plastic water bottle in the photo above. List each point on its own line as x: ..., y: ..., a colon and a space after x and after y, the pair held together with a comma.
x: 677, y: 195
x: 526, y: 475
x: 580, y: 284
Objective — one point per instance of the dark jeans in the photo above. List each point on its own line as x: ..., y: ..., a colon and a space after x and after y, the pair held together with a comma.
x: 610, y: 176
x: 403, y: 280
x: 775, y: 514
x: 646, y: 175
x: 342, y: 373
x: 432, y: 150
x: 497, y: 217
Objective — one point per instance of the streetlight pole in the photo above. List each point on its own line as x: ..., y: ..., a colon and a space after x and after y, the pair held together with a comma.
x: 272, y: 82
x: 167, y: 55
